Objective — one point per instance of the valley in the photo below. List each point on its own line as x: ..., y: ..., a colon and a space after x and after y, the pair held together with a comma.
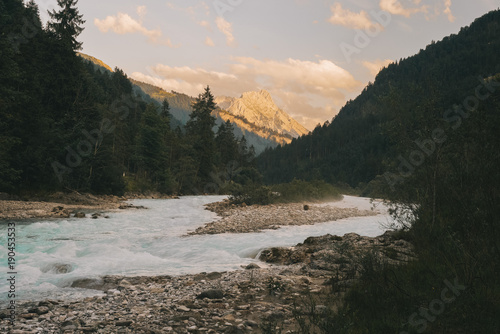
x: 186, y: 191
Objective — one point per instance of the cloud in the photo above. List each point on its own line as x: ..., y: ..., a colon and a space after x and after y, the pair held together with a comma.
x: 396, y: 8
x: 141, y: 11
x: 346, y: 18
x: 296, y: 83
x: 124, y: 24
x: 189, y: 80
x: 447, y: 10
x: 375, y: 66
x: 205, y: 24
x: 170, y: 84
x: 209, y: 41
x: 432, y: 8
x: 193, y: 12
x: 322, y: 78
x: 227, y: 29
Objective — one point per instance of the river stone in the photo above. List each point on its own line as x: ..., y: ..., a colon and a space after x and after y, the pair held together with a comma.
x: 123, y: 323
x: 39, y: 310
x: 252, y: 266
x: 89, y: 283
x: 28, y: 316
x: 80, y: 215
x: 211, y: 294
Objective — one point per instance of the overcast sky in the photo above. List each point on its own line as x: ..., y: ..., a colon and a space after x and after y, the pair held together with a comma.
x: 311, y: 55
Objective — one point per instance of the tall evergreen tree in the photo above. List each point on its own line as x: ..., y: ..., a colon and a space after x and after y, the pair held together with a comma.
x: 67, y: 23
x: 227, y: 145
x: 200, y: 130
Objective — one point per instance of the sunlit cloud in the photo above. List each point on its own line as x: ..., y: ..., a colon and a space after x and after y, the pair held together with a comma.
x: 191, y: 10
x: 205, y: 24
x: 209, y: 41
x: 321, y: 78
x: 123, y: 24
x: 227, y: 29
x: 396, y: 8
x: 352, y: 20
x: 447, y: 10
x: 431, y: 8
x: 141, y: 11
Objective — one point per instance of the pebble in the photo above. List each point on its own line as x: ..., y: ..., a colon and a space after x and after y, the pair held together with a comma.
x: 257, y: 218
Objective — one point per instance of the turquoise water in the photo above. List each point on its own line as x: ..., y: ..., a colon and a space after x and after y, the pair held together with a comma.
x: 51, y: 254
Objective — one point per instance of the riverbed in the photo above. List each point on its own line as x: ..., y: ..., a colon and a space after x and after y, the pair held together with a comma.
x: 52, y: 254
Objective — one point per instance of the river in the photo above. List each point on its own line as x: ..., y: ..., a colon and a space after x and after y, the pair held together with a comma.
x: 51, y: 254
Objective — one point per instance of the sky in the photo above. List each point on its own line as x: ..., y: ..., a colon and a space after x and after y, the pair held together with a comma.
x: 311, y: 55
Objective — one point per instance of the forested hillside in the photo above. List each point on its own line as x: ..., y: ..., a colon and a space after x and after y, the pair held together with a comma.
x: 425, y: 136
x: 66, y: 124
x: 180, y: 108
x: 359, y: 143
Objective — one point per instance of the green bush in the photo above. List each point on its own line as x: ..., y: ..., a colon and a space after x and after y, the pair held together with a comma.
x: 252, y: 194
x: 295, y: 191
x: 298, y: 191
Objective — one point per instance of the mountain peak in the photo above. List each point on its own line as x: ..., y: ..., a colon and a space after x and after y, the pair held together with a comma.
x: 259, y: 109
x: 263, y: 96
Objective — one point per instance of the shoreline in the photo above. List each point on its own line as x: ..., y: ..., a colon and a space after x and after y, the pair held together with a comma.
x: 66, y: 205
x: 257, y: 218
x: 273, y: 293
x: 268, y: 293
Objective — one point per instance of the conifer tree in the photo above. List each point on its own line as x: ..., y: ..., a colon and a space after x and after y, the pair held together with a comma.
x: 227, y: 146
x: 200, y: 130
x: 67, y: 23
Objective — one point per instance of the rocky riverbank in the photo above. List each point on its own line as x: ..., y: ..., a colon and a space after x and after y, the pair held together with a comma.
x: 258, y: 299
x: 66, y: 205
x: 255, y: 218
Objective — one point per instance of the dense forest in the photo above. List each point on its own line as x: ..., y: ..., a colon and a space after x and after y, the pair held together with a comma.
x: 360, y: 143
x: 66, y: 124
x: 425, y: 136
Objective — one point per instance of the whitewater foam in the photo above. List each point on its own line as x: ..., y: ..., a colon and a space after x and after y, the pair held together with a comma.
x: 53, y: 254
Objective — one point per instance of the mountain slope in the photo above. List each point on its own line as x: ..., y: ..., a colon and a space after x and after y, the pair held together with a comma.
x: 258, y: 111
x: 254, y: 115
x: 95, y: 61
x: 409, y: 95
x: 180, y: 108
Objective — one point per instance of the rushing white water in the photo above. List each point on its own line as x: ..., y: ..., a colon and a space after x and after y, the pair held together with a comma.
x: 51, y: 254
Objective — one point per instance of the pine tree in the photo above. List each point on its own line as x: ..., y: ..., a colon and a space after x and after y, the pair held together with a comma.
x: 67, y: 23
x: 34, y: 11
x: 165, y: 110
x: 200, y: 131
x: 227, y: 146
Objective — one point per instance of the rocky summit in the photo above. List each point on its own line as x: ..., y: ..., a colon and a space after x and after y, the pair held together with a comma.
x: 257, y: 111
